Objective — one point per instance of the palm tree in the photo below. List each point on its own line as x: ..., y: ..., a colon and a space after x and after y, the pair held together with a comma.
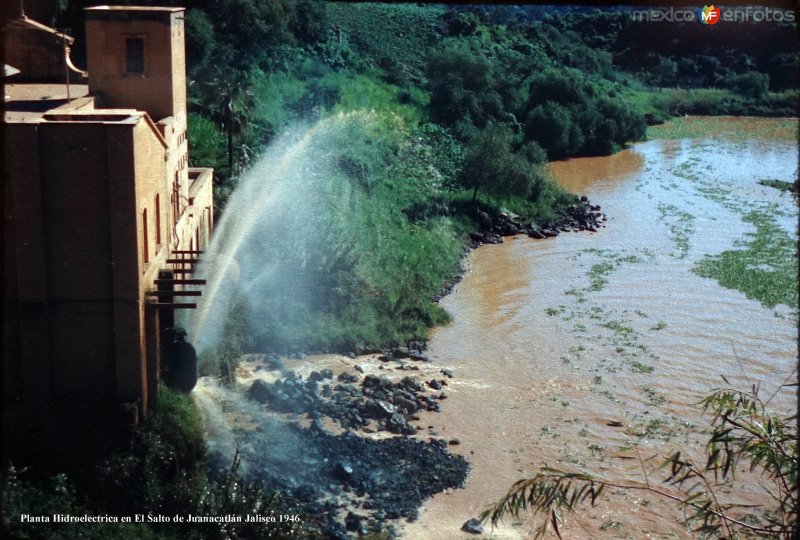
x: 226, y: 98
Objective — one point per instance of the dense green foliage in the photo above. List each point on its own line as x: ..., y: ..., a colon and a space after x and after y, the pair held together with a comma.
x: 361, y: 268
x: 163, y: 473
x: 256, y: 67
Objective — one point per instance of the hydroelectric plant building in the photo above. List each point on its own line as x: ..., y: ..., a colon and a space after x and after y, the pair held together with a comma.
x: 103, y: 220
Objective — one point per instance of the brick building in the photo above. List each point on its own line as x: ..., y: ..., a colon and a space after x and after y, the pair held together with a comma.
x: 101, y: 210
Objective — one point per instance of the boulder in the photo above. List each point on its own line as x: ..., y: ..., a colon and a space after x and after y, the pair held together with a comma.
x: 472, y: 526
x: 261, y: 392
x: 377, y: 408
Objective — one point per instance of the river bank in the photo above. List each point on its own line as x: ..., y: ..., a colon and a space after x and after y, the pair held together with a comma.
x: 583, y: 352
x: 588, y: 351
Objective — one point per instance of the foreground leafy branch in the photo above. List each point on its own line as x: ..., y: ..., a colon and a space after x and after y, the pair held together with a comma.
x: 744, y: 432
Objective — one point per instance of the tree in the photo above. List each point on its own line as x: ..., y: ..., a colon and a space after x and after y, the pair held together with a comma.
x: 462, y: 87
x: 751, y: 84
x: 554, y: 128
x: 664, y: 71
x: 491, y: 164
x: 225, y: 97
x: 744, y: 431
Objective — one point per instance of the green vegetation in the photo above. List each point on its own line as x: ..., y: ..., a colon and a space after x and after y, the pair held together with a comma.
x: 163, y: 472
x: 781, y: 185
x: 478, y: 99
x: 680, y: 224
x: 765, y: 269
x: 721, y: 127
x: 466, y: 104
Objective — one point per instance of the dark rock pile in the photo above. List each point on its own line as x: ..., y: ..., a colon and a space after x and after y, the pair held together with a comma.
x: 579, y: 216
x: 352, y: 484
x: 371, y: 404
x: 355, y: 483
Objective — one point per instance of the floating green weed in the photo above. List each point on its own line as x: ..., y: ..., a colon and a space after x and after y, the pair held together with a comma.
x: 680, y: 224
x: 638, y: 367
x: 617, y: 327
x: 764, y: 269
x: 779, y: 184
x: 722, y: 127
x: 653, y: 397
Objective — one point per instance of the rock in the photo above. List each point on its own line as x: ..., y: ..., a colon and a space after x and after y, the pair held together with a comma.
x: 347, y: 377
x: 371, y: 381
x: 358, y: 368
x: 453, y: 442
x: 326, y: 374
x: 485, y: 221
x: 353, y: 522
x: 436, y: 385
x: 397, y: 424
x: 472, y: 526
x: 447, y: 373
x: 377, y: 408
x: 261, y: 392
x: 410, y: 407
x: 343, y: 471
x: 401, y: 352
x: 274, y: 363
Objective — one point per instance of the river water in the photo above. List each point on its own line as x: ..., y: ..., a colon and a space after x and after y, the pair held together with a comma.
x: 590, y: 351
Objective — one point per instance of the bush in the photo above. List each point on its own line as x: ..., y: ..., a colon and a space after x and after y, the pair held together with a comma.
x: 751, y: 84
x: 553, y: 127
x: 490, y: 164
x: 163, y: 472
x: 462, y: 88
x: 571, y: 114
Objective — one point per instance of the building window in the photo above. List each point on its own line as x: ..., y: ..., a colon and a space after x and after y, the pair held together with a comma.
x: 134, y: 56
x: 145, y: 247
x: 158, y: 219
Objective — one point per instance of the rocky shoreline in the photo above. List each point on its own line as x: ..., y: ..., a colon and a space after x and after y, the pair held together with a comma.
x: 579, y: 216
x: 354, y: 423
x: 367, y: 461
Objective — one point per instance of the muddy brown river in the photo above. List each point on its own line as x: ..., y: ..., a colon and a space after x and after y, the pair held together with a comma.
x: 554, y: 342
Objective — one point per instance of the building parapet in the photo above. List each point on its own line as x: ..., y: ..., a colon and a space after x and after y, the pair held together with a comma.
x: 199, y: 177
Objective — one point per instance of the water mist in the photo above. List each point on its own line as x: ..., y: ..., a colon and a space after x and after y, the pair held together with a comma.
x: 287, y: 226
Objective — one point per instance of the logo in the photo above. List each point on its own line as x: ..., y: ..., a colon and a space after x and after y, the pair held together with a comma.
x: 708, y: 15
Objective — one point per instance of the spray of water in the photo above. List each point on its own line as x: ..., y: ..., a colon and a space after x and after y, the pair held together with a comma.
x: 283, y: 246
x: 273, y: 229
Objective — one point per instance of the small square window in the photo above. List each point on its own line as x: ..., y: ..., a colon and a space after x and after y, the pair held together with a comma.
x: 134, y: 55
